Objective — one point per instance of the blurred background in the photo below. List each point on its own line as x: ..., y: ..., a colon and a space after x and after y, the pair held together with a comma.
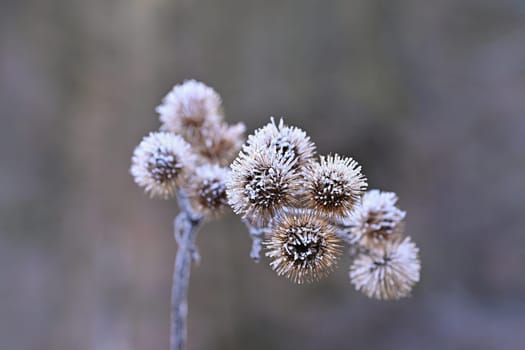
x: 428, y: 96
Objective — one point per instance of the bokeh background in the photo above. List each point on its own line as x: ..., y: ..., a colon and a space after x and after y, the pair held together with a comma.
x: 429, y: 96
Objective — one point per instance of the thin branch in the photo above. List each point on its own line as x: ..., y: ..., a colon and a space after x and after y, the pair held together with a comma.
x: 256, y: 234
x: 186, y: 226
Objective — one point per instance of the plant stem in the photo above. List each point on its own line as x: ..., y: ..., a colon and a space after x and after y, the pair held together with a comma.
x: 186, y: 226
x: 256, y: 234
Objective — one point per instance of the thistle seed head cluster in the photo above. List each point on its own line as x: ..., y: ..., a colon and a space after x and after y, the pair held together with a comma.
x: 191, y: 151
x: 387, y: 264
x: 308, y: 207
x: 277, y: 183
x: 304, y: 207
x: 194, y: 111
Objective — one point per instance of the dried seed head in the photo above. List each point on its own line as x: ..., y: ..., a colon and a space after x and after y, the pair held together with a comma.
x: 288, y: 141
x: 189, y: 108
x: 221, y: 144
x: 389, y: 273
x: 376, y: 219
x: 260, y: 184
x: 207, y: 190
x: 335, y: 185
x: 160, y: 162
x: 303, y: 246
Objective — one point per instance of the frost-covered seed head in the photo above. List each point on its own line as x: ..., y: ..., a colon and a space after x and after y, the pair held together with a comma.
x: 334, y: 185
x: 303, y: 246
x: 376, y: 219
x: 260, y: 184
x: 221, y: 144
x: 288, y: 141
x: 207, y: 190
x: 389, y: 273
x: 160, y: 162
x: 188, y: 108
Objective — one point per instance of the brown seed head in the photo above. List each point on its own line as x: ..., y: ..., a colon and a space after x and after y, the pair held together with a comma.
x: 188, y: 109
x: 303, y: 246
x: 221, y: 143
x: 207, y: 190
x: 388, y: 273
x: 290, y: 142
x: 376, y: 219
x: 260, y: 184
x: 160, y: 163
x: 334, y: 185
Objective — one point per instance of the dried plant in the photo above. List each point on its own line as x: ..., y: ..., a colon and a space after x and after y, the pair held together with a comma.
x: 299, y: 208
x: 303, y: 245
x: 334, y: 186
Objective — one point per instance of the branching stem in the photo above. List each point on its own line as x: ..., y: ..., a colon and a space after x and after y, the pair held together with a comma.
x: 257, y: 235
x: 186, y: 226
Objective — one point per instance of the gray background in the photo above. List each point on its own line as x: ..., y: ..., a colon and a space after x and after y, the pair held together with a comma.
x: 428, y: 96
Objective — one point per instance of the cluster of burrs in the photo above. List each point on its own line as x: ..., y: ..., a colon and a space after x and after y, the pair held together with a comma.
x: 190, y: 154
x: 299, y: 207
x: 307, y: 207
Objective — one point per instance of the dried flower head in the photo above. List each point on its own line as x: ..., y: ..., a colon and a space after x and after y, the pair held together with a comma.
x: 288, y: 141
x: 222, y: 143
x: 303, y: 246
x: 207, y: 190
x: 334, y: 185
x: 189, y: 108
x: 260, y: 184
x: 376, y: 219
x: 160, y: 162
x: 389, y: 273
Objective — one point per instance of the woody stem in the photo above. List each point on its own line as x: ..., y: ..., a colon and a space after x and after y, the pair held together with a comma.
x: 186, y: 226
